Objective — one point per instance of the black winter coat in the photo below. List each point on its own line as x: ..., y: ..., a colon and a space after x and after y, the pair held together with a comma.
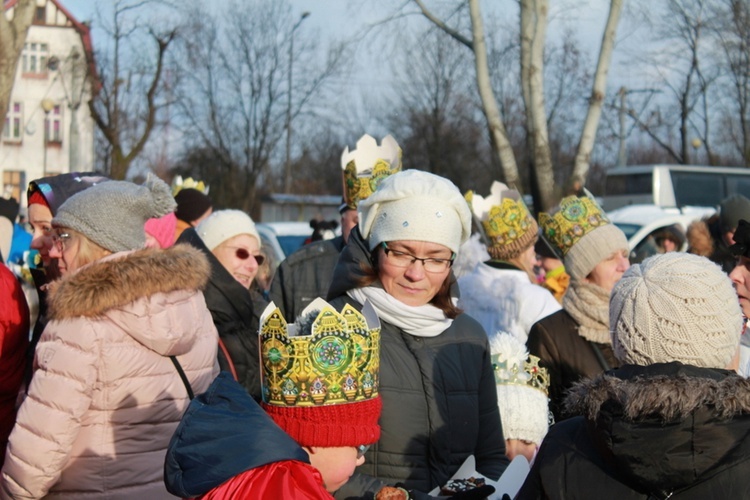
x: 655, y: 432
x: 568, y: 356
x: 236, y: 314
x: 439, y: 399
x: 305, y: 275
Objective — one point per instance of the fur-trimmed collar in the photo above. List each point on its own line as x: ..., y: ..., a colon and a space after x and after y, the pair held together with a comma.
x: 654, y: 392
x: 114, y: 282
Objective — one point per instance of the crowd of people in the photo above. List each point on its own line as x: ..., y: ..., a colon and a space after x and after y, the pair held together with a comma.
x: 145, y: 354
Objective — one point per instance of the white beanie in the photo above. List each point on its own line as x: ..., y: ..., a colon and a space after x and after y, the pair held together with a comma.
x: 675, y: 307
x: 521, y: 396
x: 415, y: 205
x: 225, y: 224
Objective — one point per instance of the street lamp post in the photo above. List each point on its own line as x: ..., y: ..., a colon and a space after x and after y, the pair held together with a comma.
x: 288, y: 162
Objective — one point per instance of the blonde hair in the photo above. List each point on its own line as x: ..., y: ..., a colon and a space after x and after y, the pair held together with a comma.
x: 88, y: 251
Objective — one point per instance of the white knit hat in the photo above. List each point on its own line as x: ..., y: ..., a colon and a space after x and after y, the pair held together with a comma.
x: 521, y: 386
x: 675, y: 307
x: 224, y: 224
x: 416, y: 205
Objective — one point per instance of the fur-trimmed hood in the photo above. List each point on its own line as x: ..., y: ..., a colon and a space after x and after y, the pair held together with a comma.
x: 125, y: 277
x: 153, y: 296
x: 664, y: 426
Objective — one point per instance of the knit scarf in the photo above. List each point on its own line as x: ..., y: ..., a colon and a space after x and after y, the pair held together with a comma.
x: 588, y: 304
x: 420, y: 321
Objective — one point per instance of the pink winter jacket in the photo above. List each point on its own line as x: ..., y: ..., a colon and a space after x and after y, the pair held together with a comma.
x: 105, y: 397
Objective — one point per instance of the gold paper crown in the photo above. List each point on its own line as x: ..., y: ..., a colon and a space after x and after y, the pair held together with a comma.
x: 178, y: 184
x: 576, y: 218
x: 337, y: 362
x: 503, y: 214
x: 365, y: 167
x: 507, y: 372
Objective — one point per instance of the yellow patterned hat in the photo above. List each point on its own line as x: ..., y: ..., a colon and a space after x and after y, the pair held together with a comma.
x: 365, y: 167
x: 326, y: 358
x: 581, y: 234
x: 509, y: 228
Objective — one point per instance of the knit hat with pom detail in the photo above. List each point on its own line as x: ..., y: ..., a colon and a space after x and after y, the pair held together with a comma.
x: 675, y: 307
x: 112, y: 214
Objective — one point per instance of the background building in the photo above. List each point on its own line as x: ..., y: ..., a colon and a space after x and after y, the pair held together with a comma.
x: 48, y: 129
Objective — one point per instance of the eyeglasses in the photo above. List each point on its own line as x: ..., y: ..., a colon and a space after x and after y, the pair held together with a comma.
x: 243, y: 254
x: 404, y: 259
x: 59, y: 239
x: 361, y: 450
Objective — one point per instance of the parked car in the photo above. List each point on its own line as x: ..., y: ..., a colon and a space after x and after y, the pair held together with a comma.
x: 641, y: 223
x: 283, y: 238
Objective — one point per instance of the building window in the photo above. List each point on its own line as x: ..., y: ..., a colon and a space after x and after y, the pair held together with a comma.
x: 53, y: 125
x: 40, y: 16
x: 34, y: 58
x: 14, y: 182
x: 13, y: 128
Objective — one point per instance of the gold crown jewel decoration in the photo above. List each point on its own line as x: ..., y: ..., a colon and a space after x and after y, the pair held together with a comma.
x: 508, y: 372
x: 365, y: 167
x: 576, y: 218
x: 178, y: 184
x: 326, y: 358
x: 503, y: 214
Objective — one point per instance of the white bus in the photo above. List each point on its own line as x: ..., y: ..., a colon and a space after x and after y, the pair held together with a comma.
x: 673, y: 185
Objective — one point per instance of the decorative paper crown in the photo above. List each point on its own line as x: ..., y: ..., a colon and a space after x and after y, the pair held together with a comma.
x: 576, y: 218
x: 532, y: 375
x: 513, y: 365
x: 178, y: 184
x: 365, y: 167
x: 335, y: 360
x: 507, y: 223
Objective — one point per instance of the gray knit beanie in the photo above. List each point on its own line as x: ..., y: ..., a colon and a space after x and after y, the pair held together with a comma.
x: 731, y: 210
x: 675, y: 307
x: 112, y: 214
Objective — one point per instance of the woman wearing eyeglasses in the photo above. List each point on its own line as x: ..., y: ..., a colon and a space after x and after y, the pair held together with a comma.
x: 106, y: 393
x: 232, y: 244
x: 436, y: 378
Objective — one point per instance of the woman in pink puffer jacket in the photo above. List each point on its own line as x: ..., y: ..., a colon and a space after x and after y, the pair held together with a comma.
x: 106, y: 397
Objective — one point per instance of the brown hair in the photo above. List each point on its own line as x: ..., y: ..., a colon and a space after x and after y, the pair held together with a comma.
x: 441, y: 300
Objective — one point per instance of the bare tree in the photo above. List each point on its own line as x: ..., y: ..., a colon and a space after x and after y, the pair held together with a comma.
x: 130, y: 80
x: 732, y: 31
x: 588, y: 133
x: 681, y: 61
x: 12, y: 37
x: 234, y: 98
x: 533, y: 22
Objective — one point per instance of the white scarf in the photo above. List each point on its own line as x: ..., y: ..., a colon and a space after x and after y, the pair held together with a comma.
x: 420, y: 321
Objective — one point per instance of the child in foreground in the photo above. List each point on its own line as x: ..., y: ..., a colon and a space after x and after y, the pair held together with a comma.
x: 321, y: 402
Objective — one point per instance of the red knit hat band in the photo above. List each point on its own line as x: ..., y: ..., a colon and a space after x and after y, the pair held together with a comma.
x: 347, y: 424
x: 37, y: 198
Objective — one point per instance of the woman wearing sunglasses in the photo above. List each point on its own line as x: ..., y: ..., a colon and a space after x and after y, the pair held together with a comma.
x: 436, y: 377
x: 232, y: 244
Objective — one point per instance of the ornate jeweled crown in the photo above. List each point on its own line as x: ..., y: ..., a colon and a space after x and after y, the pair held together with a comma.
x: 178, y: 184
x: 530, y: 374
x: 365, y: 167
x: 576, y: 218
x: 503, y: 214
x: 327, y: 358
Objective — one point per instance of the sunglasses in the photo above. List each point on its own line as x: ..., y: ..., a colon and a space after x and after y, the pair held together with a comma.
x: 361, y: 450
x: 243, y: 254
